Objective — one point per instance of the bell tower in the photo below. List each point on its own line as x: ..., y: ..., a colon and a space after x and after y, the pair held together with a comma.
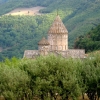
x: 58, y: 36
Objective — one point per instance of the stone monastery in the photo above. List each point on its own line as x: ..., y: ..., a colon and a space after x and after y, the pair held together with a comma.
x: 56, y: 43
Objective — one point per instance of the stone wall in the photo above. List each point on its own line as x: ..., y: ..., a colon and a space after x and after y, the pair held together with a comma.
x: 58, y: 42
x: 30, y: 53
x: 75, y: 53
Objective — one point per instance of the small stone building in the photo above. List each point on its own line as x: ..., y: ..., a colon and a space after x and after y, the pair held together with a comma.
x: 56, y: 43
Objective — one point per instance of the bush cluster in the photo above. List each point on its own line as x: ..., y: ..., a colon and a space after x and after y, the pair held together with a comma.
x: 50, y: 77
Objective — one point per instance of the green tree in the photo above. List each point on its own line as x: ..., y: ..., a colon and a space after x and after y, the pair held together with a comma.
x: 14, y: 82
x: 54, y: 75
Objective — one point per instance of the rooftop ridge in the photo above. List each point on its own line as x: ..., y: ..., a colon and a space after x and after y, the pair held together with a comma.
x: 58, y: 27
x: 43, y: 41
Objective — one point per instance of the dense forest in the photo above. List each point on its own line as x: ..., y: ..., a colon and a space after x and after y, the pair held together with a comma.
x: 18, y: 33
x: 90, y: 41
x: 49, y: 78
x: 79, y: 13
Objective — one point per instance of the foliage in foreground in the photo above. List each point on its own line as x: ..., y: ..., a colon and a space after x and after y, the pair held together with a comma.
x: 49, y: 77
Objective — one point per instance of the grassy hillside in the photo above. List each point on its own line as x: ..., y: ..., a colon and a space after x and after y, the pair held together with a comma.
x: 26, y: 11
x: 78, y: 16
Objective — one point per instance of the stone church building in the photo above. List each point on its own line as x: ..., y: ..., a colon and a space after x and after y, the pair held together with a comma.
x: 56, y: 43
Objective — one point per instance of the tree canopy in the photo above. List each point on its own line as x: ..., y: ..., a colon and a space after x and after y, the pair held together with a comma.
x: 50, y: 77
x: 90, y: 41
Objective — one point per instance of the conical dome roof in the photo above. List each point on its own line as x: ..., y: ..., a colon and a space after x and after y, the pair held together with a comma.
x: 43, y: 42
x: 58, y: 27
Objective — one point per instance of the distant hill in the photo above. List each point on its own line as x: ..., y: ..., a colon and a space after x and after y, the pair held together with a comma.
x: 90, y: 41
x: 79, y: 16
x: 26, y: 11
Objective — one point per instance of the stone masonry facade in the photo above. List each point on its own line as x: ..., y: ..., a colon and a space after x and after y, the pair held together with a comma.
x: 56, y: 43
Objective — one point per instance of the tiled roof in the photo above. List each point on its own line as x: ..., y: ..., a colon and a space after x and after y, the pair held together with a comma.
x: 43, y: 42
x: 58, y: 27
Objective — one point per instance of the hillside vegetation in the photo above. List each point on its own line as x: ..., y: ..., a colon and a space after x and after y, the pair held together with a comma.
x: 90, y: 41
x: 79, y: 16
x: 50, y: 78
x: 26, y: 11
x: 20, y: 33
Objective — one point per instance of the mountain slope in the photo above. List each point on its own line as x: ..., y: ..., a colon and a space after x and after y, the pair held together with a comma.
x: 79, y: 16
x: 90, y: 41
x: 83, y: 13
x: 83, y: 19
